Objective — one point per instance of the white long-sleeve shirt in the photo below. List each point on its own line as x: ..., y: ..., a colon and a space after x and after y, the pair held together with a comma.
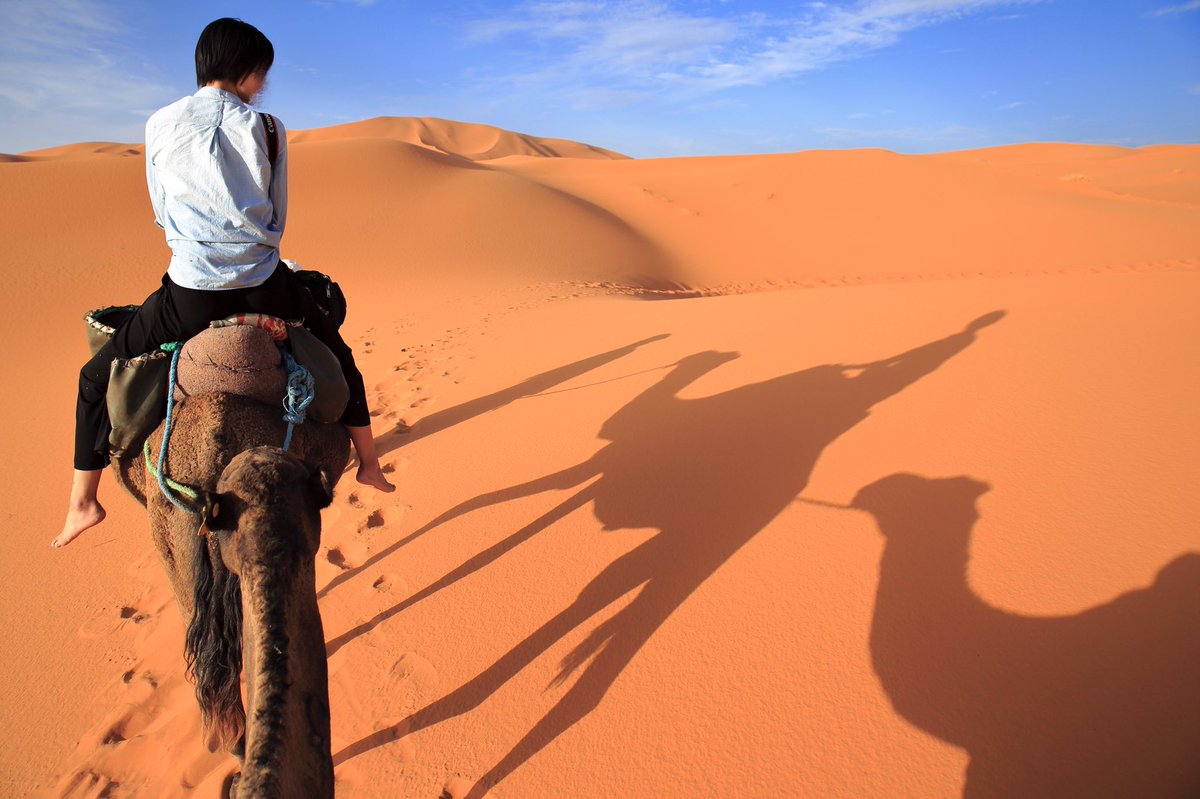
x: 219, y: 200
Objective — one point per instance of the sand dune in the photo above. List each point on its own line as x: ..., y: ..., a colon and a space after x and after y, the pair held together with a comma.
x: 468, y: 140
x: 464, y: 139
x: 895, y: 497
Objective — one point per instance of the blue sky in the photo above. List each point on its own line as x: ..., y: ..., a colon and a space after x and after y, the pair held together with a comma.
x: 647, y: 78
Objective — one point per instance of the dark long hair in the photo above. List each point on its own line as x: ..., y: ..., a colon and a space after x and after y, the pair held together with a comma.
x: 229, y: 50
x: 213, y: 647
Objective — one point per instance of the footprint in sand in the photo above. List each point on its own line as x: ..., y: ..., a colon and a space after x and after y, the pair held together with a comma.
x: 374, y: 519
x: 389, y: 584
x: 132, y: 722
x: 134, y: 615
x: 397, y: 465
x: 90, y: 785
x: 458, y: 786
x: 347, y: 556
x: 109, y: 620
x: 415, y: 672
x: 147, y: 679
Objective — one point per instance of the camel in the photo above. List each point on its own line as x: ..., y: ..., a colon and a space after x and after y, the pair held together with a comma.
x: 245, y: 584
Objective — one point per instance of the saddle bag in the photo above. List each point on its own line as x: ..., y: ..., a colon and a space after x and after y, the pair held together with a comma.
x: 137, y: 399
x: 137, y: 387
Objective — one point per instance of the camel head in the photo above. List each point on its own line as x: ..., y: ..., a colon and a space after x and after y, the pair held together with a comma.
x: 261, y: 489
x: 907, y: 503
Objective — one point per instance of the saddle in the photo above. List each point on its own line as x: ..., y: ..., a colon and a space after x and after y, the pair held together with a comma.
x: 245, y: 354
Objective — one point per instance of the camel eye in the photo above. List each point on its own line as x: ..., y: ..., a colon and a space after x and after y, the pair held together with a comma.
x: 220, y: 512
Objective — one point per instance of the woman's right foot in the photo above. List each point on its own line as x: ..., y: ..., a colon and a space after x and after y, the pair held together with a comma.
x: 375, y: 479
x: 79, y: 518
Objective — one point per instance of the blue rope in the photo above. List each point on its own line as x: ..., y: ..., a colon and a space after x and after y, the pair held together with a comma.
x: 174, y: 348
x: 300, y: 394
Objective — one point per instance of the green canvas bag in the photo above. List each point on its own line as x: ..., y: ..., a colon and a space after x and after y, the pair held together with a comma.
x: 137, y: 399
x: 137, y: 387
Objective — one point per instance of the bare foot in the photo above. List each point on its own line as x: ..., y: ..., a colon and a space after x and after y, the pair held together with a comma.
x: 79, y: 518
x: 374, y: 478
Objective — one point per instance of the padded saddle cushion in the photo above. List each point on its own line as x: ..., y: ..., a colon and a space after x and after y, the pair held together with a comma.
x: 239, y: 360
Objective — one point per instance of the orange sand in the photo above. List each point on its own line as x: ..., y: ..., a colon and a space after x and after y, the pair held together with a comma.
x: 620, y: 562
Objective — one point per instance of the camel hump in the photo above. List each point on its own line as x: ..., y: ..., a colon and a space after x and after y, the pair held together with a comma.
x: 241, y: 360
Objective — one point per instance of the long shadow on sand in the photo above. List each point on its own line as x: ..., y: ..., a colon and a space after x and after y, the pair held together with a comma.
x: 538, y: 384
x: 709, y: 473
x: 441, y: 420
x: 1104, y: 703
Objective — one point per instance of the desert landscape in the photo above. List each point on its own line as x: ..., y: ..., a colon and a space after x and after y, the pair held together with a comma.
x: 817, y: 474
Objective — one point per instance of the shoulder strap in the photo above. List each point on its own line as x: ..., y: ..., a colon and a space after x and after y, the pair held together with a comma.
x: 272, y: 136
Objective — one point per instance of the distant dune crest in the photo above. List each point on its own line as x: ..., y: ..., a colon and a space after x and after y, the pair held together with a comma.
x: 464, y: 139
x: 468, y: 140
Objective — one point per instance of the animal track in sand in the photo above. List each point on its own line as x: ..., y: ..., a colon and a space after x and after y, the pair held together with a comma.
x: 134, y: 615
x: 398, y: 464
x: 375, y: 519
x: 147, y: 678
x: 459, y: 787
x: 91, y: 785
x: 348, y: 555
x: 107, y: 621
x: 416, y: 672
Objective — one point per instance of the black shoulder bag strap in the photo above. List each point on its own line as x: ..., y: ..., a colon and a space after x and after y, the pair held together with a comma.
x: 272, y: 136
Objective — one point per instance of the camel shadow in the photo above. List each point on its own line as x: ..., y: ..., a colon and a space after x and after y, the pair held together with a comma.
x: 1103, y: 703
x: 708, y: 473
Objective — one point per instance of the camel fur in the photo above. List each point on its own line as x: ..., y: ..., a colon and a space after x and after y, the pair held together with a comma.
x: 242, y: 571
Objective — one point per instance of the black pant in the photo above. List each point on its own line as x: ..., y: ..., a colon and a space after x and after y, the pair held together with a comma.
x: 174, y: 313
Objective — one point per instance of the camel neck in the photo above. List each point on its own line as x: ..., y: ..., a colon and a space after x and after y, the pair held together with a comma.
x: 287, y: 721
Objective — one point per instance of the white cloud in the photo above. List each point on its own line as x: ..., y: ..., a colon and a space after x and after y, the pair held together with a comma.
x: 654, y: 46
x: 1192, y: 5
x: 63, y: 69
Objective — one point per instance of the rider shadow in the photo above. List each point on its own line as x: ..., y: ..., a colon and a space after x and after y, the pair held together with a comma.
x: 709, y: 474
x: 538, y: 384
x: 1104, y: 703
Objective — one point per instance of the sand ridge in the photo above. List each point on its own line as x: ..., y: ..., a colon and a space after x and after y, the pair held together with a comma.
x: 892, y: 498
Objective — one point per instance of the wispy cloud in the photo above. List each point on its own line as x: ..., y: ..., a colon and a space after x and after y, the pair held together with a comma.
x: 63, y: 69
x: 658, y: 47
x: 1191, y: 5
x: 941, y: 137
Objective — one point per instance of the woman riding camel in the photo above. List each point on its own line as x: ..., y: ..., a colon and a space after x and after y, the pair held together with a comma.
x: 222, y: 204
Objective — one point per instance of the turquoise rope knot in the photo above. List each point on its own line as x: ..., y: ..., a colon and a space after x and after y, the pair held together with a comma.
x: 301, y: 391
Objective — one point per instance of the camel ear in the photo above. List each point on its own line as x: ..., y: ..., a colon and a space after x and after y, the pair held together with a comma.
x: 220, y: 514
x: 320, y: 485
